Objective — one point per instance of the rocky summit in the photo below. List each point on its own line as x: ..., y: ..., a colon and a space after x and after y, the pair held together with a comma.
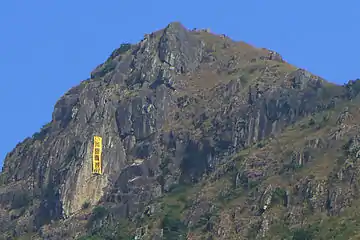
x: 203, y: 137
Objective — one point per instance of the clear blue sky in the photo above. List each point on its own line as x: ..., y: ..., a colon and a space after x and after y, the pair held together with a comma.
x: 48, y: 46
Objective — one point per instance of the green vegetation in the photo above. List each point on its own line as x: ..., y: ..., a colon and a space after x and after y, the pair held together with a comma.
x: 302, y: 234
x: 229, y: 194
x: 98, y: 213
x: 173, y: 227
x: 127, y: 93
x: 312, y: 122
x: 226, y: 197
x: 107, y: 67
x: 42, y: 133
x: 124, y: 47
x: 282, y: 231
x: 206, y: 125
x: 120, y: 230
x: 85, y: 205
x: 20, y: 200
x: 3, y: 178
x: 95, y: 237
x: 336, y: 227
x: 279, y: 196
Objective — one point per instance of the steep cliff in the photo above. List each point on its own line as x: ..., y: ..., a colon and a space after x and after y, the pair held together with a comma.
x: 202, y: 136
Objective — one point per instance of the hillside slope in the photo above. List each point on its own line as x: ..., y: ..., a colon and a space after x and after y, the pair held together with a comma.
x: 203, y: 137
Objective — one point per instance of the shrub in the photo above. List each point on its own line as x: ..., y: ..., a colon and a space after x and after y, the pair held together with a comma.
x: 99, y: 212
x: 20, y: 200
x: 279, y: 196
x: 302, y: 234
x: 124, y: 47
x: 85, y: 205
x: 173, y: 227
x: 311, y: 122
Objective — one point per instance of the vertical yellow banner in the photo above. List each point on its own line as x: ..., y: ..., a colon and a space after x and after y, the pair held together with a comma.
x: 97, y: 150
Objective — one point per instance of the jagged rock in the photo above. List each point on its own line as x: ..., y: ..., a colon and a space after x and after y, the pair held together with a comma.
x: 187, y: 108
x: 179, y: 49
x: 273, y: 56
x: 266, y: 198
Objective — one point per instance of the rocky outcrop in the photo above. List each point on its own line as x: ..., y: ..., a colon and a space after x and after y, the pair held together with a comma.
x: 179, y: 49
x: 176, y: 109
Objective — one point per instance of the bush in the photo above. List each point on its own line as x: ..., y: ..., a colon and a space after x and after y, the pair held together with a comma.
x: 20, y: 200
x: 279, y: 196
x: 124, y: 47
x: 121, y: 230
x: 173, y: 227
x: 99, y: 212
x: 311, y: 122
x: 85, y: 205
x: 302, y: 234
x: 96, y: 237
x: 3, y: 178
x: 260, y: 144
x: 42, y: 133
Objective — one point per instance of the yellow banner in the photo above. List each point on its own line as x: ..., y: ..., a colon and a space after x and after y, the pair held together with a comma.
x: 97, y: 150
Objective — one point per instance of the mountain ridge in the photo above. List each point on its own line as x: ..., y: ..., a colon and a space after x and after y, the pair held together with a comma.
x: 193, y: 109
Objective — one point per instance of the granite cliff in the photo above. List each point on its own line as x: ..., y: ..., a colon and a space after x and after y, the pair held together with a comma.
x: 203, y: 138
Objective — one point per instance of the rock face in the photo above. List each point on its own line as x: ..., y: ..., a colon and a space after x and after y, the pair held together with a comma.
x: 245, y: 135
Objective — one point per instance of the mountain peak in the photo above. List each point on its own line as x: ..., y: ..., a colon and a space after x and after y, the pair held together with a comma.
x: 188, y: 119
x: 175, y: 25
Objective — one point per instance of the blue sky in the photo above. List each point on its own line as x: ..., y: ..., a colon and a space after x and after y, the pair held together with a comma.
x: 49, y: 46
